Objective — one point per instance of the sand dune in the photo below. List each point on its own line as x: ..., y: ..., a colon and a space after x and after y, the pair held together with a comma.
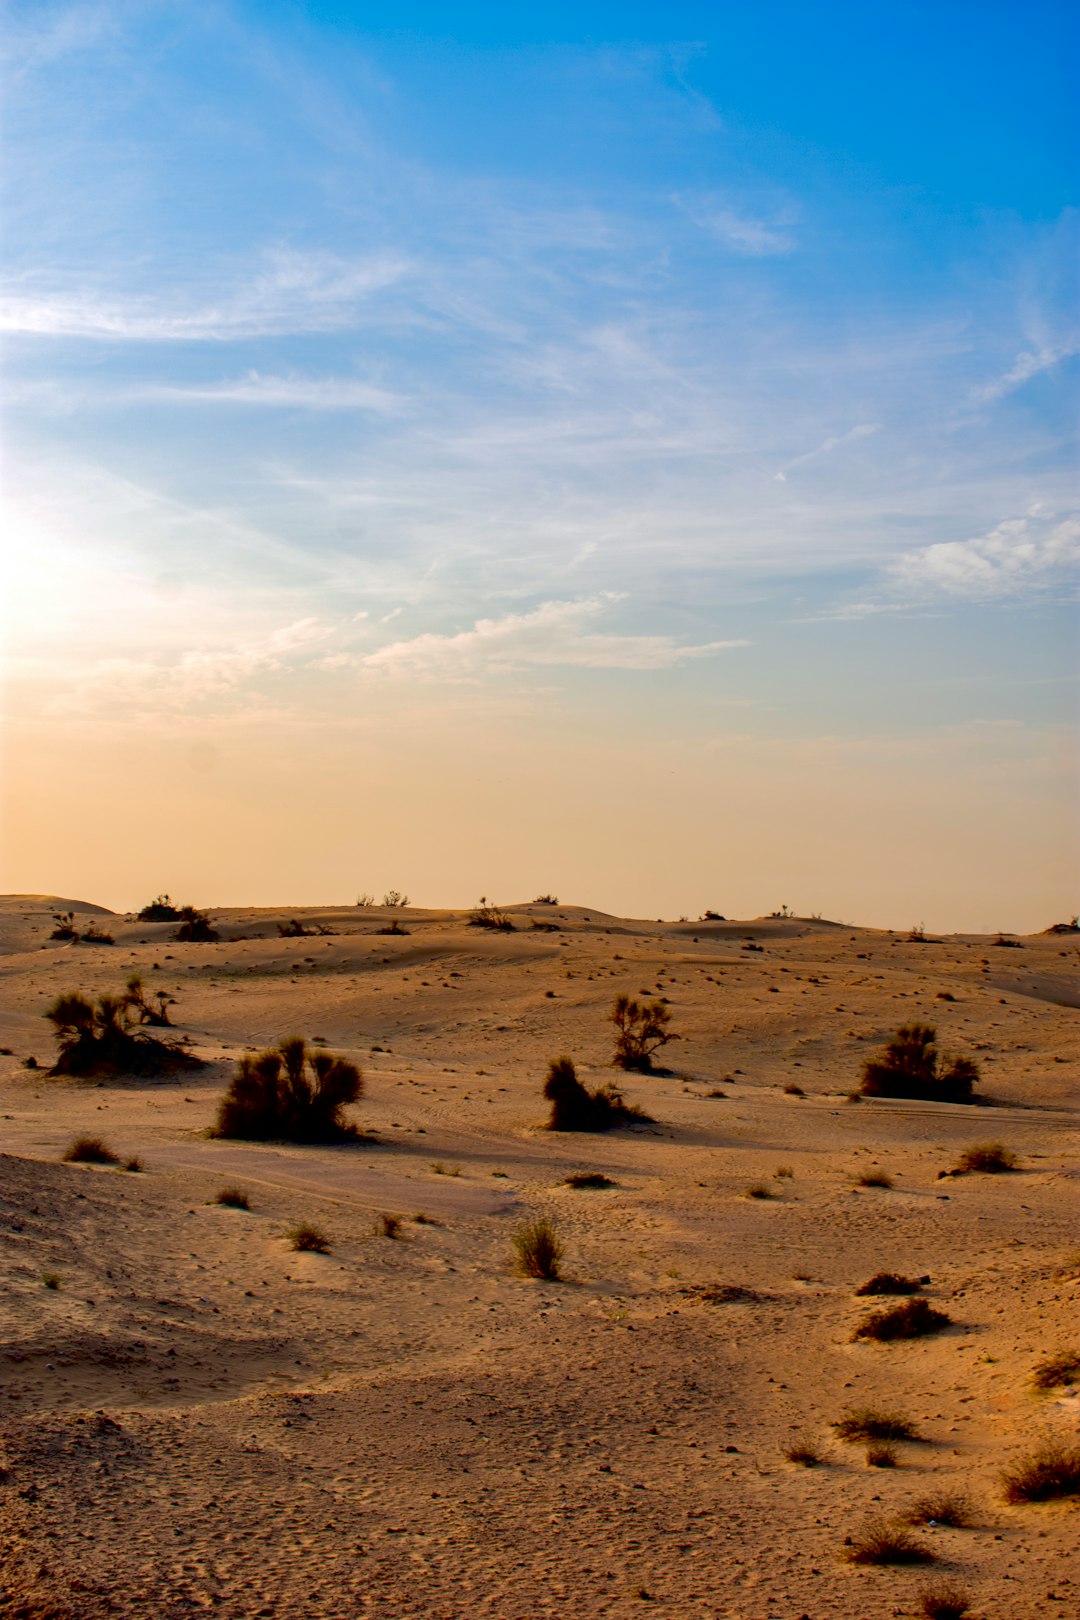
x: 197, y: 1417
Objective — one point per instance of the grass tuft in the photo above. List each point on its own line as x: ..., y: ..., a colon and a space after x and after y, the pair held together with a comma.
x: 232, y: 1198
x: 538, y: 1249
x: 944, y: 1603
x: 1048, y: 1473
x: 881, y: 1542
x: 89, y: 1150
x: 889, y: 1282
x: 50, y: 1279
x: 880, y: 1454
x: 803, y: 1454
x: 870, y: 1423
x: 134, y: 1166
x: 912, y: 1320
x: 941, y: 1507
x: 985, y: 1159
x: 759, y: 1190
x: 1058, y: 1371
x: 388, y: 1226
x: 588, y: 1180
x: 874, y: 1178
x: 308, y: 1240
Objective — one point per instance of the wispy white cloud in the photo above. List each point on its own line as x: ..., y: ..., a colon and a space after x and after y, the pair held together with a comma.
x: 291, y: 393
x: 1031, y: 363
x: 553, y: 634
x: 864, y: 430
x: 740, y: 230
x: 1015, y: 556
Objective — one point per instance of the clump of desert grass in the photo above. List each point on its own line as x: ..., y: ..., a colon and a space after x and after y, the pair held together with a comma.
x: 1059, y: 1371
x: 96, y: 1039
x: 912, y: 1320
x: 388, y: 1226
x: 538, y: 1250
x: 985, y: 1159
x: 232, y: 1198
x: 588, y: 1181
x: 759, y: 1190
x: 641, y: 1030
x: 911, y: 1066
x: 491, y: 917
x: 889, y: 1282
x: 941, y: 1508
x: 947, y: 1602
x: 575, y: 1108
x: 308, y: 1239
x: 134, y: 1166
x: 882, y: 1541
x: 1049, y: 1472
x: 195, y: 927
x: 881, y: 1454
x: 290, y: 1094
x: 874, y: 1178
x: 873, y: 1423
x: 802, y: 1453
x: 89, y: 1150
x: 50, y: 1280
x: 792, y: 1090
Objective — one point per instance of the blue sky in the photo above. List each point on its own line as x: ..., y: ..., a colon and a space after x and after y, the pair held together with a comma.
x: 705, y: 374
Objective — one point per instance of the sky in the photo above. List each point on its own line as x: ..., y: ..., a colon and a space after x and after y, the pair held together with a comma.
x: 625, y: 451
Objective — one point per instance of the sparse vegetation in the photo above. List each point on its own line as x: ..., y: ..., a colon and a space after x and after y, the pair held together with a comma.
x: 50, y: 1280
x: 575, y: 1108
x: 160, y: 910
x: 803, y: 1454
x: 881, y: 1542
x: 759, y: 1189
x: 195, y: 928
x: 308, y: 1240
x: 642, y: 1028
x: 941, y: 1507
x: 393, y: 928
x: 289, y: 1094
x: 1058, y: 1371
x: 95, y: 1038
x: 145, y: 1010
x: 394, y: 898
x: 388, y: 1226
x: 889, y: 1282
x: 783, y: 1172
x: 1052, y: 1471
x: 587, y: 1180
x: 94, y: 935
x: 538, y: 1249
x: 880, y: 1454
x: 89, y: 1150
x: 944, y: 1603
x: 792, y: 1090
x: 874, y: 1178
x: 912, y: 1320
x: 985, y: 1159
x: 1070, y: 927
x: 870, y: 1423
x: 232, y: 1198
x: 490, y: 916
x: 546, y: 900
x: 134, y: 1166
x: 912, y: 1067
x: 64, y: 926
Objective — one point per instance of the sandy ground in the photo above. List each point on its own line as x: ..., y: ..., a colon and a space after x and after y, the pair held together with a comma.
x: 198, y: 1418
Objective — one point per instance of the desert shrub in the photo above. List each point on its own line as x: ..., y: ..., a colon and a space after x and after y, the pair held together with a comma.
x: 587, y: 1180
x: 803, y: 1454
x: 95, y: 1038
x: 792, y: 1090
x: 985, y: 1158
x: 152, y: 1009
x: 889, y: 1282
x: 712, y: 916
x: 759, y: 1190
x: 575, y: 1108
x: 641, y: 1031
x: 388, y: 1226
x: 289, y: 1094
x: 393, y: 928
x: 941, y: 1507
x: 944, y: 1603
x: 232, y: 1198
x: 881, y: 1454
x: 160, y: 910
x: 89, y: 1150
x: 870, y: 1423
x: 96, y: 936
x: 293, y: 929
x: 1058, y: 1370
x: 912, y: 1320
x: 546, y: 900
x: 50, y: 1280
x: 911, y: 1066
x: 64, y: 925
x: 1070, y: 927
x: 880, y: 1542
x: 1051, y: 1471
x: 308, y: 1239
x: 486, y: 916
x: 874, y: 1178
x: 538, y: 1249
x: 195, y: 928
x: 134, y: 1166
x: 395, y: 898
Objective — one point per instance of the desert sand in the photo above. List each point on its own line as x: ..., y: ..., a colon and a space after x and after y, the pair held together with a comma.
x: 195, y: 1417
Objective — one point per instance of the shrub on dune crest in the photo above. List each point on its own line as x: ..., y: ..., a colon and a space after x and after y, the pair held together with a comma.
x: 288, y: 1094
x: 575, y: 1108
x: 195, y: 927
x: 160, y: 910
x: 911, y: 1066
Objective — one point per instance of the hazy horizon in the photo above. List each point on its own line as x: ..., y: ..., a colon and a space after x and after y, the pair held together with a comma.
x: 620, y: 451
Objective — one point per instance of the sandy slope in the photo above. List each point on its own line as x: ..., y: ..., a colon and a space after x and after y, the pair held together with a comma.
x: 198, y: 1418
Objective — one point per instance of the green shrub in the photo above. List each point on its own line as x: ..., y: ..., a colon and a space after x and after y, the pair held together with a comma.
x: 288, y: 1094
x: 538, y: 1249
x: 912, y: 1320
x: 641, y: 1031
x: 575, y: 1108
x: 912, y: 1067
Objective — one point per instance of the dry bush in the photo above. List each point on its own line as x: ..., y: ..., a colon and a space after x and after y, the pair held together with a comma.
x: 96, y: 1039
x: 134, y: 1165
x: 288, y: 1094
x: 89, y: 1150
x: 881, y: 1542
x: 538, y: 1249
x: 388, y: 1226
x: 880, y: 1454
x: 195, y: 927
x: 64, y: 926
x: 870, y: 1423
x: 232, y: 1198
x: 146, y: 1011
x: 486, y: 916
x: 642, y: 1030
x: 759, y: 1190
x: 1051, y: 1471
x: 1058, y: 1371
x: 985, y: 1159
x: 803, y: 1454
x: 889, y: 1282
x: 912, y: 1320
x: 792, y: 1090
x: 911, y: 1066
x: 783, y: 1172
x: 96, y: 936
x: 575, y: 1108
x: 944, y: 1603
x: 308, y: 1240
x: 587, y: 1180
x: 874, y: 1178
x: 160, y: 910
x: 941, y: 1507
x: 50, y: 1280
